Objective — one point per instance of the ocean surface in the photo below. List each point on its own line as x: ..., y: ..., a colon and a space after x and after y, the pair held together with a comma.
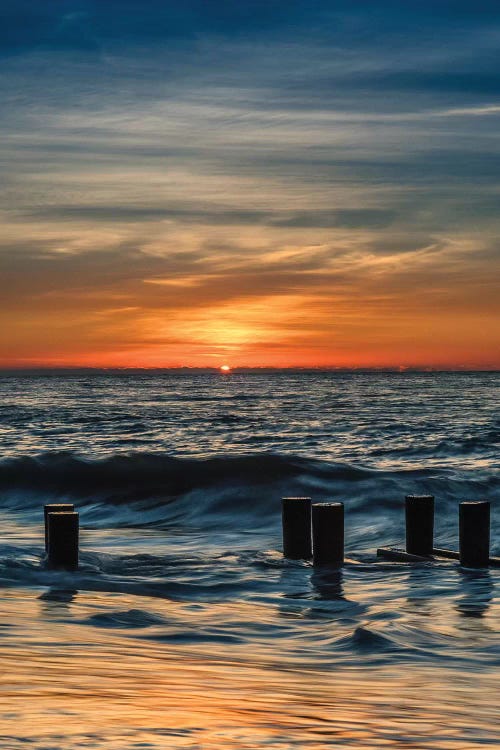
x: 184, y: 626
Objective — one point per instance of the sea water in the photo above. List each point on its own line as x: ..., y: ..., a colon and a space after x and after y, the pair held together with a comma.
x: 184, y: 626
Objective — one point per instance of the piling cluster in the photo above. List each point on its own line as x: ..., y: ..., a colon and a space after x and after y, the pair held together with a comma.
x: 474, y: 533
x: 313, y: 531
x: 316, y: 531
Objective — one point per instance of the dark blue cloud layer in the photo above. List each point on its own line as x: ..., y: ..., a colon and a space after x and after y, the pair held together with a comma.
x: 78, y: 24
x: 363, y: 129
x: 393, y: 55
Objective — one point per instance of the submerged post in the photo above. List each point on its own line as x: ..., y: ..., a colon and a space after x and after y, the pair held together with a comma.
x: 63, y: 540
x: 419, y: 512
x: 328, y: 533
x: 54, y: 508
x: 474, y: 532
x: 296, y: 519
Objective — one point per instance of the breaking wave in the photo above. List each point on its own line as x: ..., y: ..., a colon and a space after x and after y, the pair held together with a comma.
x: 141, y: 489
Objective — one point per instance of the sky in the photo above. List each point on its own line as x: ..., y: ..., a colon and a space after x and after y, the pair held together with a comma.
x: 308, y: 183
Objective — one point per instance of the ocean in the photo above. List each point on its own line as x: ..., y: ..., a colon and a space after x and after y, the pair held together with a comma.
x: 184, y: 627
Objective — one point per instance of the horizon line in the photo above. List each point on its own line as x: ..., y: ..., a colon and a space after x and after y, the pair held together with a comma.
x: 242, y: 368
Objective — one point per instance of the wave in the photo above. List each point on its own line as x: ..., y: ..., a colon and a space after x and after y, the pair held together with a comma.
x: 141, y: 474
x: 143, y: 488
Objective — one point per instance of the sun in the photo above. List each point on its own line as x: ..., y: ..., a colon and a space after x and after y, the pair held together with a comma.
x: 225, y: 368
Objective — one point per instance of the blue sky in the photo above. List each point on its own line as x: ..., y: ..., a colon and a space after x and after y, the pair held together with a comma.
x: 174, y: 171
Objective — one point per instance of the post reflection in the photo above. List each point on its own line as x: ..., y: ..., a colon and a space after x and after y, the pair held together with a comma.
x: 57, y: 598
x: 328, y: 584
x: 477, y: 587
x: 418, y: 600
x: 295, y: 597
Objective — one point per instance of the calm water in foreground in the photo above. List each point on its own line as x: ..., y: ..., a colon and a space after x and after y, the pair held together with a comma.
x: 184, y: 627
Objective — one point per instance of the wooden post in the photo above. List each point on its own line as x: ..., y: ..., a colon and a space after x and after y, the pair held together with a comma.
x: 419, y: 512
x: 296, y: 519
x: 474, y: 532
x: 63, y: 540
x: 54, y: 508
x: 328, y: 533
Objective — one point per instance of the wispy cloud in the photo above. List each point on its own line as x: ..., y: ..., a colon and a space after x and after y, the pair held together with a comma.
x: 312, y: 186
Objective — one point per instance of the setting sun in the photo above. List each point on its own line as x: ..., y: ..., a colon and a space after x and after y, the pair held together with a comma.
x: 225, y: 368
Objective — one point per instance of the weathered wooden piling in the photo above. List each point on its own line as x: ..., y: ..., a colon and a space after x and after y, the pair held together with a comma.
x: 63, y: 540
x: 296, y: 520
x: 419, y: 512
x: 54, y: 508
x: 474, y: 533
x: 328, y: 533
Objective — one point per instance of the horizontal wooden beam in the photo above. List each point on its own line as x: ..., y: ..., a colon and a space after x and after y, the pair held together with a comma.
x: 399, y: 555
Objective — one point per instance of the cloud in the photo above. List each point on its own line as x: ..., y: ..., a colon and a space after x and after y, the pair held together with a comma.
x: 310, y: 178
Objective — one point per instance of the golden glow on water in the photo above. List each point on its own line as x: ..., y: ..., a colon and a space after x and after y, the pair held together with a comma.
x: 70, y: 680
